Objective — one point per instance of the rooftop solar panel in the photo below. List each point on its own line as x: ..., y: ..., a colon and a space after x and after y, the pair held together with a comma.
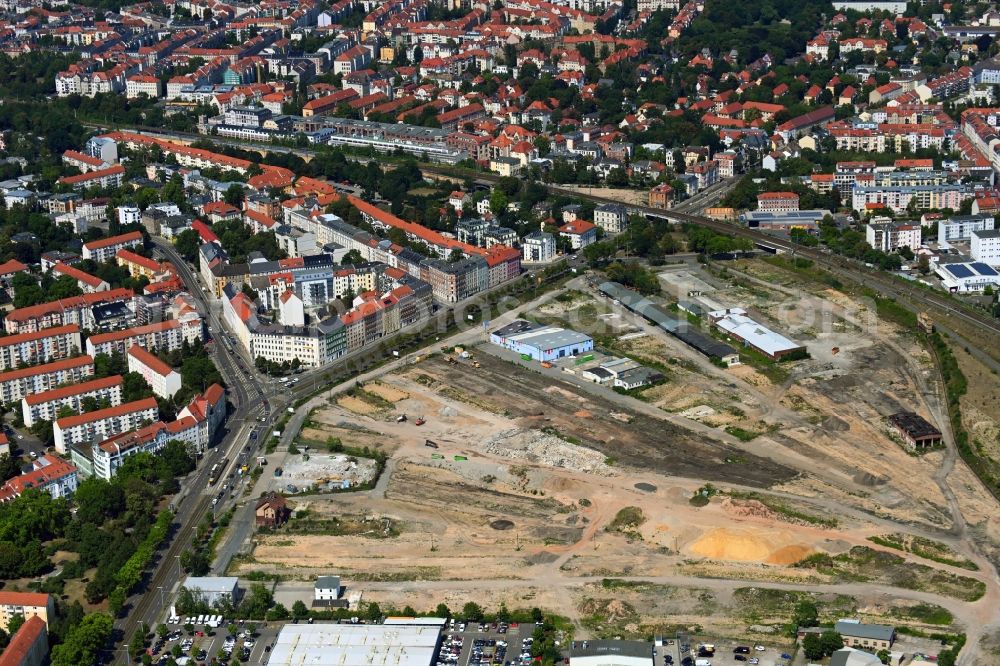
x: 984, y: 269
x: 959, y: 270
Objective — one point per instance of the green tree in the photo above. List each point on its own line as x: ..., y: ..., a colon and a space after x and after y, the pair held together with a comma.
x: 442, y: 610
x: 812, y: 647
x: 9, y: 467
x: 830, y: 641
x: 373, y: 613
x: 806, y: 613
x: 299, y: 610
x: 187, y: 244
x: 83, y: 644
x: 15, y: 623
x: 472, y: 612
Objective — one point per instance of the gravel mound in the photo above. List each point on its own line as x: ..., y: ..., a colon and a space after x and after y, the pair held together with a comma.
x: 538, y: 447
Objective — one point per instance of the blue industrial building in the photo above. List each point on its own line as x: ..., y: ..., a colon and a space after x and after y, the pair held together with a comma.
x: 542, y: 343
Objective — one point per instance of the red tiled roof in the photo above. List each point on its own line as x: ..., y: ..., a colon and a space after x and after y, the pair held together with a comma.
x: 34, y: 311
x: 130, y: 237
x: 8, y: 340
x: 101, y: 338
x: 24, y: 599
x: 92, y: 175
x: 110, y: 412
x: 21, y: 643
x: 55, y: 366
x: 78, y: 275
x: 12, y: 266
x: 149, y: 360
x: 73, y: 389
x: 131, y: 257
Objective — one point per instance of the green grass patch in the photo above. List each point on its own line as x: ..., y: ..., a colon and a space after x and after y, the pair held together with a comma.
x: 627, y: 519
x: 742, y: 434
x: 866, y: 565
x: 924, y: 613
x: 925, y: 548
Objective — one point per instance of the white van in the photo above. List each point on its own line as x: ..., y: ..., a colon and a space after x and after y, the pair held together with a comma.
x: 702, y: 662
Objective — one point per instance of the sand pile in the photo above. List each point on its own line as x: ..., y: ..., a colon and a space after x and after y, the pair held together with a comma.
x: 746, y: 546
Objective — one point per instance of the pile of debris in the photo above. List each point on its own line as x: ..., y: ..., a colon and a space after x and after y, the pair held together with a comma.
x: 541, y: 448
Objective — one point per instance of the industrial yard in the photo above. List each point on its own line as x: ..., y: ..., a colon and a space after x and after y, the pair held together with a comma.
x: 529, y: 485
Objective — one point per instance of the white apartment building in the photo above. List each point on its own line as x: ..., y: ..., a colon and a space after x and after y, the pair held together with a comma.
x: 104, y: 249
x: 985, y: 246
x: 163, y: 336
x: 889, y: 236
x: 164, y: 380
x: 39, y: 347
x: 103, y: 423
x: 15, y: 384
x: 613, y: 218
x: 45, y: 406
x: 538, y: 247
x: 896, y: 199
x: 960, y: 228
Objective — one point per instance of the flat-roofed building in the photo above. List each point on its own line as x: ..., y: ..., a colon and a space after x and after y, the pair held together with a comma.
x: 356, y: 644
x: 916, y: 431
x: 611, y: 653
x: 542, y: 343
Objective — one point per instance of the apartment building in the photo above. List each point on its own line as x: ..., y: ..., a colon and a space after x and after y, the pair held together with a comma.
x: 107, y: 178
x: 580, y: 233
x: 985, y: 246
x: 166, y: 335
x: 890, y: 236
x: 613, y: 218
x: 961, y: 227
x: 104, y: 249
x: 897, y: 199
x: 75, y: 310
x: 777, y: 202
x: 538, y: 247
x: 103, y: 423
x: 39, y: 347
x: 29, y: 646
x: 88, y: 284
x: 455, y: 281
x: 49, y: 474
x: 15, y: 384
x: 164, y: 380
x: 27, y: 605
x: 138, y: 265
x: 45, y: 406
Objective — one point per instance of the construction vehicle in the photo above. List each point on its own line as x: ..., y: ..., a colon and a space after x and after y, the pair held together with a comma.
x: 546, y: 364
x: 430, y: 443
x: 401, y: 418
x: 475, y: 364
x: 420, y: 421
x: 451, y: 360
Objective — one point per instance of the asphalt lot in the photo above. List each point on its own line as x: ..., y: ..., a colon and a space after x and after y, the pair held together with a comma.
x: 485, y: 633
x: 212, y: 644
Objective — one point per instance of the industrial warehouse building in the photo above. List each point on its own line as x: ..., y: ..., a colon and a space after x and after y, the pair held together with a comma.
x: 611, y: 653
x: 735, y: 323
x: 915, y: 430
x: 541, y: 343
x: 356, y: 644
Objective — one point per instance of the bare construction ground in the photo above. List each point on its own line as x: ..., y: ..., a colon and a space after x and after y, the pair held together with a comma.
x: 540, y: 488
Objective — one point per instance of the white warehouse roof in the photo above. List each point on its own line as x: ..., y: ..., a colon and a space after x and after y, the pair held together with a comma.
x: 736, y: 322
x: 355, y: 645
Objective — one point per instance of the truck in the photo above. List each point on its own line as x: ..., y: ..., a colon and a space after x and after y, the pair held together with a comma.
x: 546, y: 364
x: 525, y: 357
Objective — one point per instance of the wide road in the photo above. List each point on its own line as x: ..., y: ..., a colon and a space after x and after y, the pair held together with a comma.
x: 246, y: 393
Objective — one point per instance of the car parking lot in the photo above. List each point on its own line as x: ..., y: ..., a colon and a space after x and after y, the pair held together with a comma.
x: 689, y: 652
x: 206, y: 646
x: 486, y: 644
